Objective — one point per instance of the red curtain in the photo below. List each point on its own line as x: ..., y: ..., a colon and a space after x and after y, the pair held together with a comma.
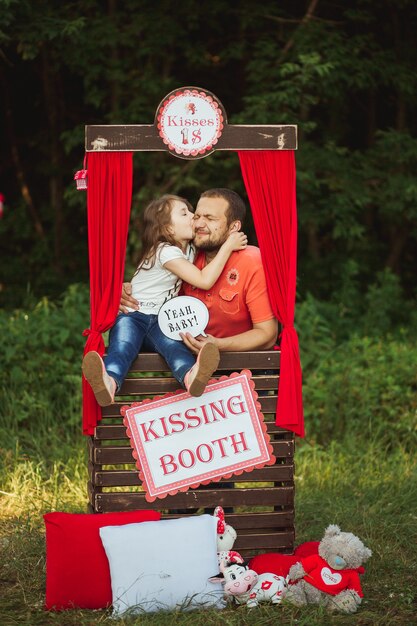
x: 109, y: 197
x: 269, y: 178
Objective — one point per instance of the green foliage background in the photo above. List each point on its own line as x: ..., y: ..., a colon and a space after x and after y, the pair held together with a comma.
x: 344, y: 72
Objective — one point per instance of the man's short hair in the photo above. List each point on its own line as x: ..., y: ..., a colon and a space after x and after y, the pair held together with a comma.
x: 236, y: 209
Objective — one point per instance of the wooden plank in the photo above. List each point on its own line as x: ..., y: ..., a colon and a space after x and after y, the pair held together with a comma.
x: 115, y: 455
x: 268, y: 405
x: 145, y: 138
x: 264, y: 541
x: 282, y: 449
x: 275, y: 519
x: 91, y: 493
x: 154, y: 386
x: 91, y: 470
x: 254, y: 521
x: 148, y: 386
x: 249, y: 554
x: 258, y: 137
x: 125, y: 478
x: 265, y: 496
x: 119, y: 138
x: 91, y: 445
x: 258, y: 359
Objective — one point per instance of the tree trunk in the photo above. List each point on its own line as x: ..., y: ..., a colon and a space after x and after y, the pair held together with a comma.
x: 15, y: 154
x: 114, y: 63
x: 399, y: 237
x: 313, y: 241
x: 371, y: 117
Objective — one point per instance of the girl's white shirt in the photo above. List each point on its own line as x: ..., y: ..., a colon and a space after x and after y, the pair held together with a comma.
x: 154, y: 286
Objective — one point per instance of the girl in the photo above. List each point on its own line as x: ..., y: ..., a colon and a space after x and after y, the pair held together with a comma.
x: 166, y: 261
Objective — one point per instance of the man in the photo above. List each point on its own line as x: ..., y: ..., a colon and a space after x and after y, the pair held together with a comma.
x: 241, y: 317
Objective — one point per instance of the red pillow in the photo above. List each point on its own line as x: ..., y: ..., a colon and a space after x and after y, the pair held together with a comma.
x: 77, y: 569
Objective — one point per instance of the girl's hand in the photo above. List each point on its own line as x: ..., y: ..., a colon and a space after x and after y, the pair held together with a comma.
x: 236, y: 241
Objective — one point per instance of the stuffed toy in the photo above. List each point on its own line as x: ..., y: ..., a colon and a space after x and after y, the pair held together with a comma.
x: 244, y: 586
x: 226, y: 537
x: 331, y: 577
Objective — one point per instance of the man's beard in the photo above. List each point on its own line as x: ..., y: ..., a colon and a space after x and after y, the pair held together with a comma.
x: 210, y: 246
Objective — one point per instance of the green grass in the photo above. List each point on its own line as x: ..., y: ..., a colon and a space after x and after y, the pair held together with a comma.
x: 363, y: 489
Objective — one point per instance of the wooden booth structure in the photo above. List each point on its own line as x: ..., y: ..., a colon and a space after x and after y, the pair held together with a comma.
x: 261, y: 503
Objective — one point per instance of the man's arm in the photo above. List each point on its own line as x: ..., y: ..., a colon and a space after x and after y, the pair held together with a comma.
x: 126, y: 299
x: 262, y: 336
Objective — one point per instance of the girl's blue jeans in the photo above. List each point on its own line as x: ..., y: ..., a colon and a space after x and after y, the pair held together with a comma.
x: 130, y: 333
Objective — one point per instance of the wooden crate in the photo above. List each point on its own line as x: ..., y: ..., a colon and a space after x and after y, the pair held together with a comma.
x: 262, y: 501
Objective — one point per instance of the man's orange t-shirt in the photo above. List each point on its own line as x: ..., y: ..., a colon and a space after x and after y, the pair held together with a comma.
x: 239, y: 297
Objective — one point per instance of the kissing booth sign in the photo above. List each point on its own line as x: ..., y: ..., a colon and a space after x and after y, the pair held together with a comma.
x: 180, y: 441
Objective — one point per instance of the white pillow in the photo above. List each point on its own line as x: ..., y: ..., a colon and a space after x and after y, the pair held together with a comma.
x: 163, y: 565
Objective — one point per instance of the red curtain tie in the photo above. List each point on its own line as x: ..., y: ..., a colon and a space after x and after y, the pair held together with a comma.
x: 88, y: 331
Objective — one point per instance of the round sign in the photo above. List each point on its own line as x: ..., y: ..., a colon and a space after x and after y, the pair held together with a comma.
x: 190, y: 122
x: 183, y: 314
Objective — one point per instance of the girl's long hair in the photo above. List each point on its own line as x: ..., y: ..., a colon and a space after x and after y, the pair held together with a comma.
x: 156, y: 224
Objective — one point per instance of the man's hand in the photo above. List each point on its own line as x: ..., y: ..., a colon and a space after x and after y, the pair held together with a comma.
x: 196, y: 343
x: 261, y: 337
x: 126, y: 299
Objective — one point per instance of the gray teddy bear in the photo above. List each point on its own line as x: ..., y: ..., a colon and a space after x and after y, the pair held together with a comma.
x: 331, y: 577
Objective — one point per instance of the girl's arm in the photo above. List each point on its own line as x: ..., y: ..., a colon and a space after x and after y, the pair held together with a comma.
x: 205, y: 278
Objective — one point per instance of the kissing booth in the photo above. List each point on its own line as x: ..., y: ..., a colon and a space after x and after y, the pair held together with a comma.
x: 191, y: 123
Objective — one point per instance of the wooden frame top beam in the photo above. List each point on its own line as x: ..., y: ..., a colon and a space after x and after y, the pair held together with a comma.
x: 146, y: 138
x: 190, y: 123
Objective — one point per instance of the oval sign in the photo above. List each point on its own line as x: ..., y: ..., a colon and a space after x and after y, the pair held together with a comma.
x: 190, y: 121
x: 183, y: 314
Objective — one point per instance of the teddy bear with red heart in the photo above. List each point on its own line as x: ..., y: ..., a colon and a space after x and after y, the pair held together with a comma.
x: 331, y: 577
